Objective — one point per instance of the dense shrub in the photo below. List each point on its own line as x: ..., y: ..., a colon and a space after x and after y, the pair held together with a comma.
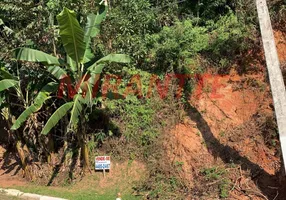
x: 211, y: 28
x: 174, y: 48
x: 230, y: 37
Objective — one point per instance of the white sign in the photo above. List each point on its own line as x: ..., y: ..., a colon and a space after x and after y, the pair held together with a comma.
x: 102, y: 162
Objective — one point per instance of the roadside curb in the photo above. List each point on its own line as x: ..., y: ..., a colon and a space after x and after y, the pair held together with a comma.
x: 27, y: 196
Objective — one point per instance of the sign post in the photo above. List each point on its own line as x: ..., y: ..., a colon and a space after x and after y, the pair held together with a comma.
x: 102, y: 163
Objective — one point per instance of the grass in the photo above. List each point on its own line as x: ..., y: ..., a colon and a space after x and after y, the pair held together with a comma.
x: 4, y: 197
x: 75, y: 194
x: 91, y: 187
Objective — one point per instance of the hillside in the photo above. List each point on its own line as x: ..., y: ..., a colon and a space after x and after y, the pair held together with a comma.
x: 177, y: 94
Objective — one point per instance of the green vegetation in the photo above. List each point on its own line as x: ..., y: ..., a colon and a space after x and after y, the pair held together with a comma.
x: 88, y: 194
x: 218, y: 175
x: 76, y: 43
x: 4, y: 197
x: 86, y: 41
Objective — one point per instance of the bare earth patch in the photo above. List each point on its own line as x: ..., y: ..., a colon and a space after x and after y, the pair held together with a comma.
x: 229, y: 134
x: 10, y: 170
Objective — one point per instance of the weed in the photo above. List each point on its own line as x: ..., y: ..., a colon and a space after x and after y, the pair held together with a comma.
x: 204, y: 111
x: 224, y: 187
x: 174, y: 182
x: 213, y: 173
x: 274, y: 143
x: 269, y: 130
x: 207, y: 89
x: 131, y: 158
x: 100, y: 137
x: 204, y: 143
x: 179, y: 165
x: 221, y: 133
x: 218, y: 174
x: 92, y: 145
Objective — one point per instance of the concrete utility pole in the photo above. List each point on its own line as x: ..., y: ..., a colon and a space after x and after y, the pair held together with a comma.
x: 274, y: 71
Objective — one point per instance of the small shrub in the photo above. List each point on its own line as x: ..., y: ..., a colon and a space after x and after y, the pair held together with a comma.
x: 218, y: 174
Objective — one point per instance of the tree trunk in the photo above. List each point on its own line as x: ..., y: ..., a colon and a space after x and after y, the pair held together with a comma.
x: 85, y: 156
x: 84, y: 150
x: 82, y: 139
x: 24, y: 153
x: 51, y: 149
x: 22, y: 149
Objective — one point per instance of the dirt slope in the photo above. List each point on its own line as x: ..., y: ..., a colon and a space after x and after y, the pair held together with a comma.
x: 231, y: 126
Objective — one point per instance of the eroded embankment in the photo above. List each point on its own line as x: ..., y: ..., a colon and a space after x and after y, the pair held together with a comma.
x: 231, y: 126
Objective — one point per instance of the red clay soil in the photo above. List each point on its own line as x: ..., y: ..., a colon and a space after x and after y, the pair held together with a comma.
x: 228, y: 124
x: 10, y: 171
x: 281, y: 45
x: 221, y: 129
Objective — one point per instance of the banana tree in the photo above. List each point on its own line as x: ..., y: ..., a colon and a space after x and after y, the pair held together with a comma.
x: 78, y: 68
x: 11, y: 95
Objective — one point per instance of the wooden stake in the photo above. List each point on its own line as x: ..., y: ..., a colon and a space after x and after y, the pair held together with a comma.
x: 274, y: 71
